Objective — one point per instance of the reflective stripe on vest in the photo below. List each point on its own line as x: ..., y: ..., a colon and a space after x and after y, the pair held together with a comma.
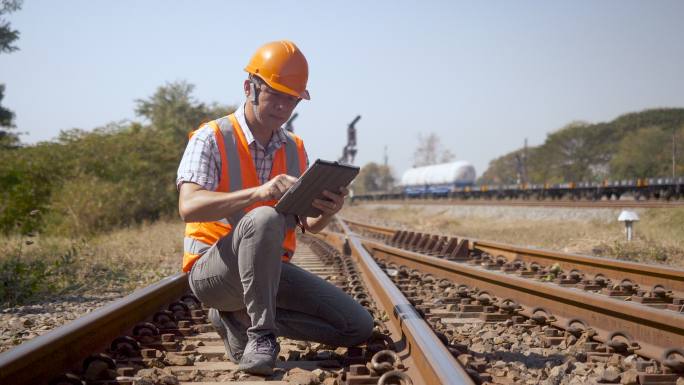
x: 238, y: 172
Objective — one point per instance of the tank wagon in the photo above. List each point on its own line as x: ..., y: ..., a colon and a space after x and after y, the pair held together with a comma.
x: 437, y: 180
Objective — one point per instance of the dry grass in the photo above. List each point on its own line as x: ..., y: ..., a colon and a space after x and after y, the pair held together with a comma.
x: 659, y: 234
x: 121, y: 261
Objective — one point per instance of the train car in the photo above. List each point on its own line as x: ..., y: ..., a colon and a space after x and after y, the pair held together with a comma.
x: 456, y: 181
x: 437, y: 180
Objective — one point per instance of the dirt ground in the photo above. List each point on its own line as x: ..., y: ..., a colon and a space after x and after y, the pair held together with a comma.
x: 127, y: 259
x: 659, y: 235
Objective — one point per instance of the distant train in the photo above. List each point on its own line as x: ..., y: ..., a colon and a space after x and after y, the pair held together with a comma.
x: 437, y: 179
x: 456, y: 180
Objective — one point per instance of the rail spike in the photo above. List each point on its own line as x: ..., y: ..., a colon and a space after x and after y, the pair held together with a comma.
x: 400, y: 376
x: 384, y: 361
x: 543, y: 319
x: 626, y: 346
x: 576, y: 327
x: 674, y: 359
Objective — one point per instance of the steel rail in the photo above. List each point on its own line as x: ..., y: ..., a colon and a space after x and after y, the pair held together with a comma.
x: 531, y: 203
x: 646, y: 276
x: 64, y: 348
x: 378, y: 229
x: 434, y: 362
x: 656, y: 331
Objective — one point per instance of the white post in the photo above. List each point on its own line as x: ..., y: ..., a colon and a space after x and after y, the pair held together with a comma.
x: 629, y: 217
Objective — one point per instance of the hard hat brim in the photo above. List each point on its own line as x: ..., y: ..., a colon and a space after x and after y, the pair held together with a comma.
x: 279, y: 87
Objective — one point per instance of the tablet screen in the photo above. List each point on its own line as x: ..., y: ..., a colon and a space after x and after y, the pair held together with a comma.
x: 320, y: 176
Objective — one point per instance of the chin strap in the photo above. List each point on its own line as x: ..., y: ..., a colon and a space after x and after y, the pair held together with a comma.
x: 254, y: 96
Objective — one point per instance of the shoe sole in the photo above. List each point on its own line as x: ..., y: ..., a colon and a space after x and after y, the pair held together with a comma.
x: 263, y: 369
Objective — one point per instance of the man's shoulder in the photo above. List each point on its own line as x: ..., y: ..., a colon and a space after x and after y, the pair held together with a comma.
x: 204, y: 133
x: 291, y: 135
x: 207, y: 128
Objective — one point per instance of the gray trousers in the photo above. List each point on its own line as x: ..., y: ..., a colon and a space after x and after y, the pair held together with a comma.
x: 243, y: 273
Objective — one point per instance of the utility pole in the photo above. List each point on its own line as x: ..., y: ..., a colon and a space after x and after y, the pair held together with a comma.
x: 674, y: 152
x: 349, y: 150
x: 385, y: 172
x: 525, y: 162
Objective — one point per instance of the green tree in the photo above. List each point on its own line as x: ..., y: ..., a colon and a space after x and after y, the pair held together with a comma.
x: 175, y: 112
x: 629, y: 146
x: 503, y: 170
x: 8, y: 35
x: 7, y: 38
x: 373, y: 177
x: 8, y: 139
x: 647, y: 152
x: 577, y: 152
x: 86, y: 182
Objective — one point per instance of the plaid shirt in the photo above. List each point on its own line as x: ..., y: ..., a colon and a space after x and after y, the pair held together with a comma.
x: 201, y: 163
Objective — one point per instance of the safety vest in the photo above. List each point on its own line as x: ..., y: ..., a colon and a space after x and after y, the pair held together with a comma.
x: 238, y: 172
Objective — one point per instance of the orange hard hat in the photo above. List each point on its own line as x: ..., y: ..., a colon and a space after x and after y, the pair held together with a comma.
x: 282, y: 66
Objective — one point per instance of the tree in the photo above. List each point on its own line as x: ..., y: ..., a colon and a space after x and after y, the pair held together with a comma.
x: 7, y: 37
x: 647, y: 152
x: 373, y: 177
x: 7, y: 34
x: 430, y: 151
x: 90, y: 181
x: 633, y: 144
x: 502, y: 170
x: 7, y: 139
x: 173, y: 111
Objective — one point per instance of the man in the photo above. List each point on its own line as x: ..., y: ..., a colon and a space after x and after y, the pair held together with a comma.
x: 237, y: 246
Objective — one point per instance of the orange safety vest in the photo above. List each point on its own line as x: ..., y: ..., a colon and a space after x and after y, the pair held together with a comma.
x: 238, y: 172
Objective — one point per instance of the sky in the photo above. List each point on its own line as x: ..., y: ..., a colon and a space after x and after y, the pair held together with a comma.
x: 482, y: 75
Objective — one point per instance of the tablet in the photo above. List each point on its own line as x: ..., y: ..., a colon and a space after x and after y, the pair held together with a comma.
x: 320, y: 176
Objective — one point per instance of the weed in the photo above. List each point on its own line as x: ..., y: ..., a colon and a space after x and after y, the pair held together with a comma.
x: 121, y: 261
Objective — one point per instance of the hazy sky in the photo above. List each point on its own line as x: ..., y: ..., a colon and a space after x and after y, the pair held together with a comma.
x: 483, y: 75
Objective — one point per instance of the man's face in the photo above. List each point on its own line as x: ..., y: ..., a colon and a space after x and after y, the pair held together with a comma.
x: 275, y: 107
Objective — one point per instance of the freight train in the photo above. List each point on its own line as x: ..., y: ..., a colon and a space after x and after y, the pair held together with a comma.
x: 456, y: 180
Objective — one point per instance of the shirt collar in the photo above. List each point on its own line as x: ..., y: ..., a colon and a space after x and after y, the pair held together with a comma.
x: 280, y: 135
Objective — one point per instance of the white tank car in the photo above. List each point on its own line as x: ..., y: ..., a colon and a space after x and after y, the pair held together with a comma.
x: 438, y: 178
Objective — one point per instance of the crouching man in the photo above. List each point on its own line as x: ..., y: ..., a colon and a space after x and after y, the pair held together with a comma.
x: 237, y: 247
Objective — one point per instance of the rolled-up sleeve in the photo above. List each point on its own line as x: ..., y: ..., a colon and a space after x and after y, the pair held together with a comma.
x: 200, y: 162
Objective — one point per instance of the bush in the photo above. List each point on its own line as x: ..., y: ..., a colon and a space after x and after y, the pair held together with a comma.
x: 85, y: 183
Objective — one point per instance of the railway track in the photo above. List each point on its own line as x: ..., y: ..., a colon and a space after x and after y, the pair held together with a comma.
x: 160, y: 335
x: 620, y: 307
x: 447, y: 311
x: 609, y: 204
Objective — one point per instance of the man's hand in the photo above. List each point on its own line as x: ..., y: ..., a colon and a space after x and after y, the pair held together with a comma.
x: 276, y: 187
x: 332, y: 204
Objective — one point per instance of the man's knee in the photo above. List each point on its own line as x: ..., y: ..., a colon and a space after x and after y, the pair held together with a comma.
x: 361, y: 328
x: 267, y: 218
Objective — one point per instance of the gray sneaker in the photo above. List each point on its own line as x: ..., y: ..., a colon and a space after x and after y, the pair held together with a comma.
x: 260, y: 355
x: 234, y: 334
